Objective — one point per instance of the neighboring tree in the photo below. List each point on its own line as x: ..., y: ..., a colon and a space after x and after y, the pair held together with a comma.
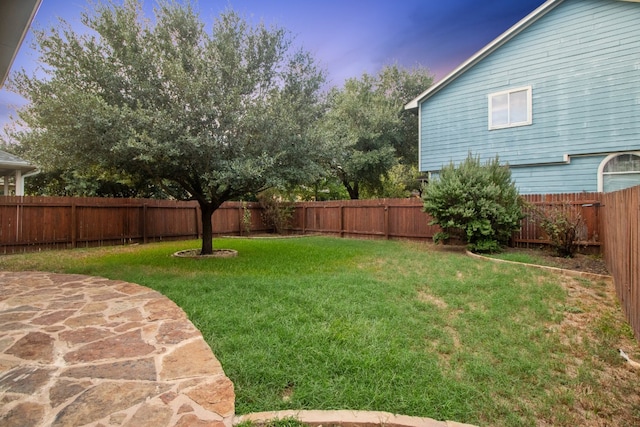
x: 206, y: 116
x: 322, y: 189
x: 89, y: 183
x: 402, y: 85
x: 367, y: 131
x: 476, y: 202
x: 358, y: 129
x: 401, y: 181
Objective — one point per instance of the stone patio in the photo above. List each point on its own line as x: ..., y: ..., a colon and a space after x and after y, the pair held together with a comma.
x: 88, y: 351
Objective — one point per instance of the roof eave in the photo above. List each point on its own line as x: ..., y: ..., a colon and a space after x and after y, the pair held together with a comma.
x: 10, y: 162
x: 521, y: 25
x: 6, y: 167
x: 16, y: 19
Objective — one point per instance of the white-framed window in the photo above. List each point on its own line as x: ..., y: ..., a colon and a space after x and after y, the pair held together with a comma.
x: 618, y: 171
x: 510, y: 108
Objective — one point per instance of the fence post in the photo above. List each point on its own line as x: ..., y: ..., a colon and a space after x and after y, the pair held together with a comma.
x: 144, y: 223
x: 598, y: 226
x: 304, y: 219
x: 386, y: 220
x: 341, y: 219
x: 197, y: 223
x: 19, y: 208
x: 74, y: 225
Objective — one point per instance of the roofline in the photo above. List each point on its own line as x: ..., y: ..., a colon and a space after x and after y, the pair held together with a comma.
x: 520, y: 26
x: 25, y: 172
x: 23, y: 163
x: 14, y: 162
x: 34, y: 5
x: 24, y: 169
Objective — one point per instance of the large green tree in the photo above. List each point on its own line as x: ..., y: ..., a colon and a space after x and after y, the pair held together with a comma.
x: 366, y: 129
x: 401, y: 85
x: 207, y: 115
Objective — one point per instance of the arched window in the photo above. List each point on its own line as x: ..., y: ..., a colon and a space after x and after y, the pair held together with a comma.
x: 619, y: 171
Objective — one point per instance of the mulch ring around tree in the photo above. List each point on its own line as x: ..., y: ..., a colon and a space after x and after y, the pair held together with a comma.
x: 195, y: 253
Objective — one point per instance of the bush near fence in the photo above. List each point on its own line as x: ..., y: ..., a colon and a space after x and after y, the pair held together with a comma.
x: 587, y: 205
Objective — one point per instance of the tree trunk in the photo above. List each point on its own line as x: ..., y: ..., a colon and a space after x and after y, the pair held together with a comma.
x: 207, y: 211
x: 354, y: 192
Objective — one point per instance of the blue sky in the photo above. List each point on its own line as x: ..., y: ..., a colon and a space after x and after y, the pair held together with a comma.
x: 347, y: 37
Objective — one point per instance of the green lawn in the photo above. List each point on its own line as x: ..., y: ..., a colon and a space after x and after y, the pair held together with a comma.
x: 325, y: 323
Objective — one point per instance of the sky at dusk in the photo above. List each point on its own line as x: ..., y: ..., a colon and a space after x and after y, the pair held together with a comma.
x: 347, y: 37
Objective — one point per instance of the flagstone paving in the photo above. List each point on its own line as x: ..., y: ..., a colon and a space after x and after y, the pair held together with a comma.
x: 87, y: 351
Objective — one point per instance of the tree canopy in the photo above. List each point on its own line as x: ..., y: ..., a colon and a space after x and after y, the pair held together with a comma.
x: 209, y: 116
x: 366, y: 129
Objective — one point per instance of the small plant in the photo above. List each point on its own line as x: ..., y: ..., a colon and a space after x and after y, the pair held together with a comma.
x: 477, y: 202
x: 246, y: 218
x: 276, y: 213
x: 563, y: 224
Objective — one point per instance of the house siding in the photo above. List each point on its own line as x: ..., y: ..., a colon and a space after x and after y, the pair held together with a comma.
x: 582, y: 60
x: 552, y: 179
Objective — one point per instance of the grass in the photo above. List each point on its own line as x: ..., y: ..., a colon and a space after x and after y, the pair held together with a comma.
x: 324, y: 323
x: 526, y: 258
x: 285, y: 422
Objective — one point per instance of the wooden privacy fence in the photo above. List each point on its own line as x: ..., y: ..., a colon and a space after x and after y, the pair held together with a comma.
x: 34, y: 223
x: 379, y: 218
x: 621, y: 232
x: 404, y: 218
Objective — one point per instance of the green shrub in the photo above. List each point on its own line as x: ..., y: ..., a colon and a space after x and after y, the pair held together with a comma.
x: 246, y: 218
x: 478, y: 203
x: 563, y: 225
x: 277, y: 213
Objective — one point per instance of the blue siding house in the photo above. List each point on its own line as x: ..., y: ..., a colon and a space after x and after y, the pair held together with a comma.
x: 557, y: 97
